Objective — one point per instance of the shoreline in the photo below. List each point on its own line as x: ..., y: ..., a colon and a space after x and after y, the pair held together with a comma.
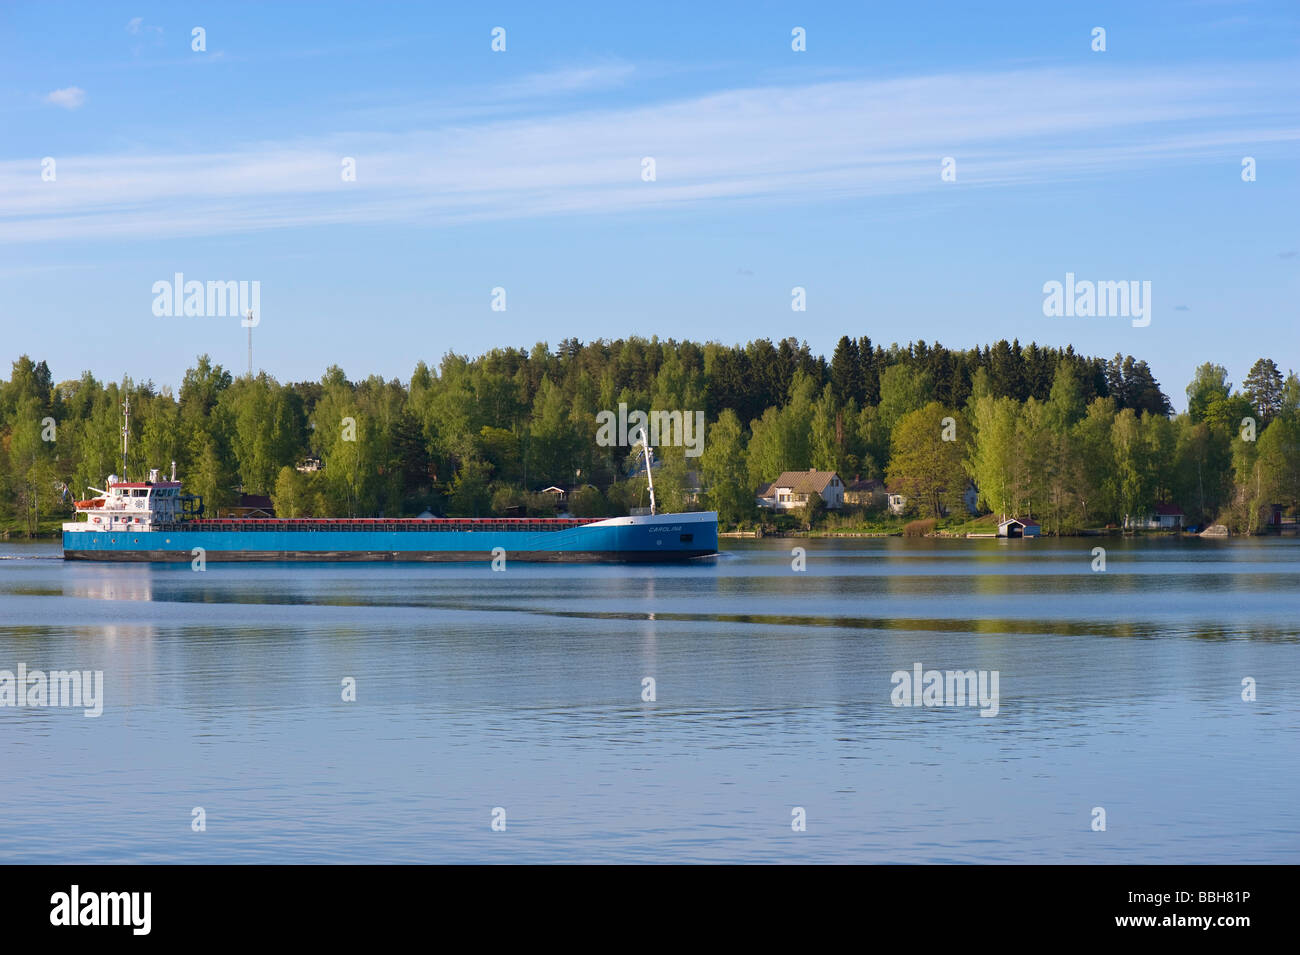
x: 12, y: 536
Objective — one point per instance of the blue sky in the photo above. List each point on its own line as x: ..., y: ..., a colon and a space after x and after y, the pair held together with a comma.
x: 522, y: 169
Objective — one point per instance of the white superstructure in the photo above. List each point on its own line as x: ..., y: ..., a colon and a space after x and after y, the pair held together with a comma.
x: 138, y: 505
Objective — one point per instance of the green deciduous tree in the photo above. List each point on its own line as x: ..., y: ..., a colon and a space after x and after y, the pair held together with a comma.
x: 471, y: 494
x: 992, y: 457
x: 292, y: 496
x: 923, y: 465
x: 723, y: 468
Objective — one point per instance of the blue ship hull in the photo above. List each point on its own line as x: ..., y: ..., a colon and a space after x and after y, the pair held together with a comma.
x: 664, y: 537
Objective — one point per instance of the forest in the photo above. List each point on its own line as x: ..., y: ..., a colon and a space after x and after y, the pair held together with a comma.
x: 1073, y: 441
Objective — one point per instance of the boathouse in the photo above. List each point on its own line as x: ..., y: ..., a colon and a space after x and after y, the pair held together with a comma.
x: 1019, y: 527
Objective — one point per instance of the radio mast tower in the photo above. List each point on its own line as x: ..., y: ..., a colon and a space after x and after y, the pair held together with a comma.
x: 126, y: 431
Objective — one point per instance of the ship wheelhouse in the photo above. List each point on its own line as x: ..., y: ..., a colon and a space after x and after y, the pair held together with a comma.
x: 137, y: 505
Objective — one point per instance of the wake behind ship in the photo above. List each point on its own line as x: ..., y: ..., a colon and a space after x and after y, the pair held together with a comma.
x: 154, y: 521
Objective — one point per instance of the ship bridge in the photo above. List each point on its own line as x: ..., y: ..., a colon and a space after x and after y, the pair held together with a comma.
x: 139, y: 505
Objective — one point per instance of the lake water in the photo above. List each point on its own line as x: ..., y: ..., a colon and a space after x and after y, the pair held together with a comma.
x: 523, y: 690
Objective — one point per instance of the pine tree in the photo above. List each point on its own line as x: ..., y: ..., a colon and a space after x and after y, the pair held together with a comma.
x: 846, y: 371
x: 1263, y: 386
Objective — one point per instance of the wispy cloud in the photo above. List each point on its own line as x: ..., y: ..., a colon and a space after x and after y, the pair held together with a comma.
x: 143, y: 32
x: 819, y: 142
x: 566, y: 81
x: 70, y: 97
x: 137, y: 27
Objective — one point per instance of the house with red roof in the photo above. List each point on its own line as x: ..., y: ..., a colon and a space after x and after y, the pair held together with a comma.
x: 1163, y: 517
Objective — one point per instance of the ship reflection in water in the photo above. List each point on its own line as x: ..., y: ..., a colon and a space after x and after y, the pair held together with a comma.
x: 111, y: 582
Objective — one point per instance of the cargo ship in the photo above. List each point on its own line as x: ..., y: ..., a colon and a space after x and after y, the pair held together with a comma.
x: 154, y: 520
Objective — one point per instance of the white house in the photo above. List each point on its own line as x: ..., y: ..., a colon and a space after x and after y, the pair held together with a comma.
x: 898, y: 502
x: 560, y: 495
x: 895, y: 500
x: 1165, y: 517
x: 793, y: 488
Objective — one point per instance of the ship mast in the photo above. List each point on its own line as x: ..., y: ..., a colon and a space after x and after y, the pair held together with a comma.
x: 650, y: 481
x: 126, y: 431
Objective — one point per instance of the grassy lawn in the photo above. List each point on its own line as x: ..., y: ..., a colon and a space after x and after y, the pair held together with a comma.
x: 955, y: 525
x: 874, y: 524
x: 16, y: 529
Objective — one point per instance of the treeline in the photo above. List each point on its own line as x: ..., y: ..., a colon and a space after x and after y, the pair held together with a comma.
x: 1074, y: 462
x: 1074, y: 440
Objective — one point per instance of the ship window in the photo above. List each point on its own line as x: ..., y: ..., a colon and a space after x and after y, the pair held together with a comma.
x: 687, y: 538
